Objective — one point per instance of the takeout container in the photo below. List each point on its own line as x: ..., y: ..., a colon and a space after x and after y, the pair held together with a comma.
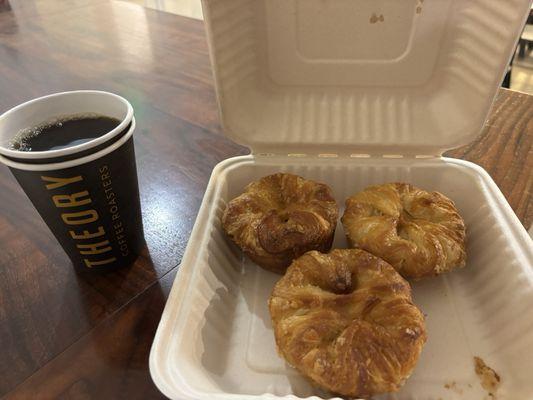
x: 353, y: 93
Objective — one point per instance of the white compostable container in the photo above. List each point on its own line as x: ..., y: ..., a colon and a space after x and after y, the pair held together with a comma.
x: 354, y: 93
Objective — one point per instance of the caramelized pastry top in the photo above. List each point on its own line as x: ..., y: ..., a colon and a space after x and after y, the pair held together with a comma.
x: 280, y: 217
x: 419, y: 233
x: 346, y: 320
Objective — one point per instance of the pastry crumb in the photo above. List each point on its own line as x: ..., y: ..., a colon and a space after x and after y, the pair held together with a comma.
x: 453, y: 386
x: 376, y: 18
x: 489, y: 379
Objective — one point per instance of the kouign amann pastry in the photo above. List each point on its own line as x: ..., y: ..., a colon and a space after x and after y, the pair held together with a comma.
x: 346, y: 321
x: 279, y: 218
x: 419, y: 233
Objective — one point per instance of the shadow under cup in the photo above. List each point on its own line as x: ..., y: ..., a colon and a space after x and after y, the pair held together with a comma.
x: 88, y: 194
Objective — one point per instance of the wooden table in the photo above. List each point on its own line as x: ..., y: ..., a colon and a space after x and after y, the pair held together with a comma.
x: 71, y: 337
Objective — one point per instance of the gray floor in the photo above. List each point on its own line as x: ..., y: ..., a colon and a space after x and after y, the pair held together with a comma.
x: 522, y: 75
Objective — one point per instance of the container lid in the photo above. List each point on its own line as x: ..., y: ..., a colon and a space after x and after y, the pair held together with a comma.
x: 408, y: 77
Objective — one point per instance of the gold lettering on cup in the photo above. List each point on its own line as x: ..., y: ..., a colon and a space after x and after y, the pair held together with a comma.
x: 95, y: 248
x: 90, y: 264
x: 60, y: 182
x: 87, y: 234
x: 80, y: 217
x: 72, y: 200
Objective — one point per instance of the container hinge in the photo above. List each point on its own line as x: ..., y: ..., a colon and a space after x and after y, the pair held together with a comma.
x: 351, y: 155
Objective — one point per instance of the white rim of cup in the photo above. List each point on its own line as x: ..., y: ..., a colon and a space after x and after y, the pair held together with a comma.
x: 70, y: 163
x: 73, y: 149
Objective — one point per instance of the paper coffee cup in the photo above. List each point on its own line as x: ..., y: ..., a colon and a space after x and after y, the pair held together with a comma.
x: 36, y: 111
x: 87, y: 194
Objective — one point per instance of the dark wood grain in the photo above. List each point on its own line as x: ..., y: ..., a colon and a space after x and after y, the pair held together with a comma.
x: 78, y: 337
x: 109, y: 362
x: 505, y: 149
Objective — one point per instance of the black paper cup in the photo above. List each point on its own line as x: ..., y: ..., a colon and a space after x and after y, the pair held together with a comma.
x: 88, y: 195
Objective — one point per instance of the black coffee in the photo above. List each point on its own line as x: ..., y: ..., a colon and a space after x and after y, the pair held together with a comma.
x: 63, y: 132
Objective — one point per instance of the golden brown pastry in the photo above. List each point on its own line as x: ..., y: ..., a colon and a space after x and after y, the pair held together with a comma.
x: 419, y: 233
x: 279, y: 218
x: 346, y: 321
